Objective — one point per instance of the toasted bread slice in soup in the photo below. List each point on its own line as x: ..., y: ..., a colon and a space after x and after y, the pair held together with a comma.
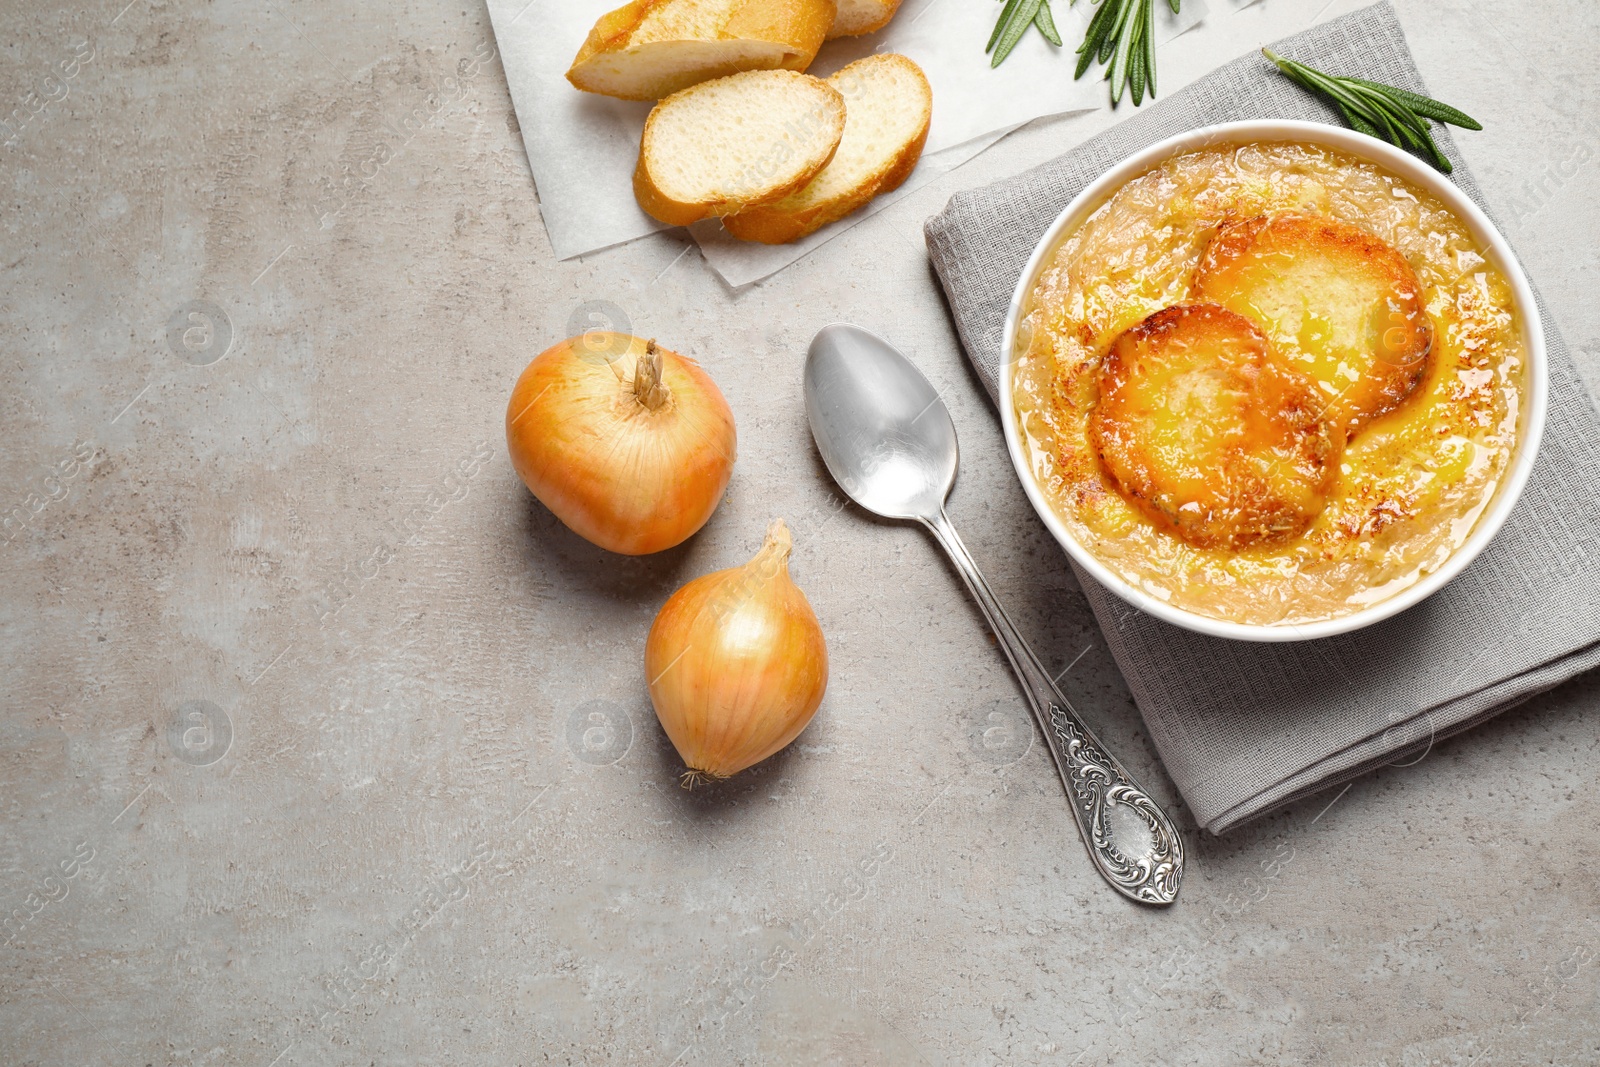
x: 887, y: 107
x: 856, y: 17
x: 1338, y: 303
x: 1209, y: 435
x: 725, y: 145
x: 649, y: 49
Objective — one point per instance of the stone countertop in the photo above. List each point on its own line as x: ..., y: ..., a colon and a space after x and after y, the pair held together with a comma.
x: 323, y: 743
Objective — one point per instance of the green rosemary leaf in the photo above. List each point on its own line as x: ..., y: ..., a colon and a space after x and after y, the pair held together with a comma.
x: 1413, y: 131
x: 1117, y: 73
x: 1357, y: 123
x: 1091, y: 41
x: 1381, y: 111
x: 1425, y: 106
x: 1150, y: 47
x: 1108, y: 39
x: 1428, y: 143
x: 1440, y: 160
x: 1099, y: 27
x: 1138, y: 69
x: 1136, y: 73
x: 1000, y: 24
x: 1398, y: 132
x: 1047, y: 24
x: 1392, y: 133
x: 1084, y: 61
x: 1397, y: 108
x: 1020, y: 21
x: 1315, y: 79
x: 1409, y: 125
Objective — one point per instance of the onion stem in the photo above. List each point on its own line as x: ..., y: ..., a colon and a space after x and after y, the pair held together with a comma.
x: 648, y: 387
x: 775, y: 548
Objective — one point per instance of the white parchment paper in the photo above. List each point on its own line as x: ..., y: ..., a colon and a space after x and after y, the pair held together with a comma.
x: 582, y: 147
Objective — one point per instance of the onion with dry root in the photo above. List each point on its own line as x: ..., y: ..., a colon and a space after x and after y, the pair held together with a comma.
x: 632, y: 462
x: 737, y: 664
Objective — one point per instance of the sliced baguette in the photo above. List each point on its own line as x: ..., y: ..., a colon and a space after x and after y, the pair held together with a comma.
x: 887, y: 107
x: 735, y: 142
x: 856, y: 17
x: 649, y: 49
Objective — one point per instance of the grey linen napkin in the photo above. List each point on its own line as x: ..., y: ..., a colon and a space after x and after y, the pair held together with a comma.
x: 1244, y: 728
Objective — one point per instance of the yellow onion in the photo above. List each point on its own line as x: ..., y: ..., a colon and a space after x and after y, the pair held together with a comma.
x: 629, y: 444
x: 736, y: 664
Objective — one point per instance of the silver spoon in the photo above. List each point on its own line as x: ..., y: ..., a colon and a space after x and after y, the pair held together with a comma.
x: 888, y: 441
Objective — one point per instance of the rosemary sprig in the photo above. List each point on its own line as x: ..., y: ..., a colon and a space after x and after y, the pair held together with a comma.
x: 1379, y: 110
x: 1121, y: 34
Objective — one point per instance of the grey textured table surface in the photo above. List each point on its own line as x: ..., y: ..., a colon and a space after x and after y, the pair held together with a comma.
x: 323, y: 744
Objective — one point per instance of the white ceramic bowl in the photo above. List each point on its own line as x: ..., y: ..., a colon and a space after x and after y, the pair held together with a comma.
x: 1535, y: 399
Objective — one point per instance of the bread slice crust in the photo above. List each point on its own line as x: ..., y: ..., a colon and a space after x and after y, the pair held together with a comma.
x: 649, y: 49
x: 1339, y: 304
x: 796, y: 122
x: 857, y: 17
x: 869, y: 162
x: 1208, y: 435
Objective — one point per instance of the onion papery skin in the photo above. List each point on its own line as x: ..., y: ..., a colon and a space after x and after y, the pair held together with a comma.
x: 628, y: 477
x: 737, y: 664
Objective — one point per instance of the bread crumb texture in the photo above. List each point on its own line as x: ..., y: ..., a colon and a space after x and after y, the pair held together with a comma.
x: 888, y: 106
x: 727, y: 144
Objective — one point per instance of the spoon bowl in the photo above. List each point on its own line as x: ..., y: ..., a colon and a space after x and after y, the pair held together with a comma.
x: 880, y: 426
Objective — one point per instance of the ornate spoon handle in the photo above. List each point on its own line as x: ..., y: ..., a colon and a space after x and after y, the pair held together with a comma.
x: 1096, y: 783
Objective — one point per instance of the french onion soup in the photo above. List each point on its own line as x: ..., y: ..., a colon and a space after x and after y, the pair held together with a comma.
x: 1269, y: 383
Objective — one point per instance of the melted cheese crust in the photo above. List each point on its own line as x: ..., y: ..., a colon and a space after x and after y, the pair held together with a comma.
x: 1412, y: 482
x: 1339, y: 306
x: 1207, y: 434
